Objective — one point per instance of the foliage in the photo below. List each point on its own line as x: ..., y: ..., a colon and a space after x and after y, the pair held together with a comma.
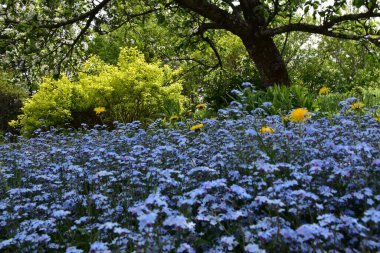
x: 278, y: 99
x: 340, y: 65
x: 329, y: 103
x: 11, y: 97
x: 39, y: 37
x: 225, y: 187
x: 313, y: 61
x: 236, y: 67
x: 132, y: 90
x: 204, y: 76
x: 154, y: 39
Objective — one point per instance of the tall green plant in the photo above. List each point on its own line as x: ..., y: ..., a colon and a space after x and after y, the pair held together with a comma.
x: 282, y: 99
x: 329, y: 104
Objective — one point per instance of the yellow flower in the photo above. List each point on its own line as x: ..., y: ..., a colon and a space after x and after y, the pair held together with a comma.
x: 377, y: 118
x: 299, y: 114
x: 266, y: 129
x: 197, y: 127
x: 99, y: 110
x: 357, y: 106
x: 174, y: 118
x: 324, y: 90
x: 200, y: 106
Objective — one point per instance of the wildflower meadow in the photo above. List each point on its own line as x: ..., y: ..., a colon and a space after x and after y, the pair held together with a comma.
x: 242, y: 182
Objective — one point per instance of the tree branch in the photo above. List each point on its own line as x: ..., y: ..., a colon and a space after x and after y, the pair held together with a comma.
x: 287, y: 36
x: 300, y: 27
x: 247, y: 7
x: 85, y: 15
x: 76, y: 40
x: 324, y: 28
x: 273, y: 14
x: 213, y: 47
x: 231, y: 5
x: 207, y: 26
x: 349, y: 17
x: 130, y: 17
x: 230, y: 22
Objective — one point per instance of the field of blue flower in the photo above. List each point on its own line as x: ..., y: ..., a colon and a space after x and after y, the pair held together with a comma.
x: 310, y: 186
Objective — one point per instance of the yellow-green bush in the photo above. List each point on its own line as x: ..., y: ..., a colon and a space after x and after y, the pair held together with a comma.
x: 132, y: 90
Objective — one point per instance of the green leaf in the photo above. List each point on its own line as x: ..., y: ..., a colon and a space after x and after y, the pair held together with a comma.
x: 358, y: 3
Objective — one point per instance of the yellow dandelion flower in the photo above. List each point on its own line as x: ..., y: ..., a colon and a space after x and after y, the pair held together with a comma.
x: 200, y: 106
x: 197, y: 127
x: 324, y: 90
x: 357, y: 106
x: 174, y: 118
x: 266, y: 129
x: 99, y: 110
x: 299, y: 115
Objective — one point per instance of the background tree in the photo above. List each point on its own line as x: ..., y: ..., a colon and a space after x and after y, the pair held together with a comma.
x: 211, y: 65
x: 52, y: 34
x: 11, y: 98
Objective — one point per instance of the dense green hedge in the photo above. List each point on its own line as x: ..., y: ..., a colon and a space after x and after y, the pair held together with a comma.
x: 11, y: 97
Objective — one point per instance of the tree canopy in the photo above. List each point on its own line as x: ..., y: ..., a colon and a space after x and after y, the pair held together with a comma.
x: 40, y: 36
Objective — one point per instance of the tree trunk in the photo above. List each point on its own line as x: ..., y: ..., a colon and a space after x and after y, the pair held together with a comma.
x: 268, y: 60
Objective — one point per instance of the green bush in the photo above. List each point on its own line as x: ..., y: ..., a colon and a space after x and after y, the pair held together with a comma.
x: 339, y: 64
x: 132, y: 90
x: 329, y: 103
x: 11, y: 97
x: 282, y: 98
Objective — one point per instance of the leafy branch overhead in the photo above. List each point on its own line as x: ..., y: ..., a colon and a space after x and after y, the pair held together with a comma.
x: 263, y: 17
x: 54, y: 34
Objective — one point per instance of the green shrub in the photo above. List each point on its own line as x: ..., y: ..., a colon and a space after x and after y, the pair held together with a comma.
x: 371, y: 96
x: 11, y: 97
x: 282, y: 98
x: 329, y: 103
x: 132, y: 90
x: 285, y: 98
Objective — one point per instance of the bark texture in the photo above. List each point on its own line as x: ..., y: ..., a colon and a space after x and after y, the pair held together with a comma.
x: 261, y: 48
x: 268, y: 60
